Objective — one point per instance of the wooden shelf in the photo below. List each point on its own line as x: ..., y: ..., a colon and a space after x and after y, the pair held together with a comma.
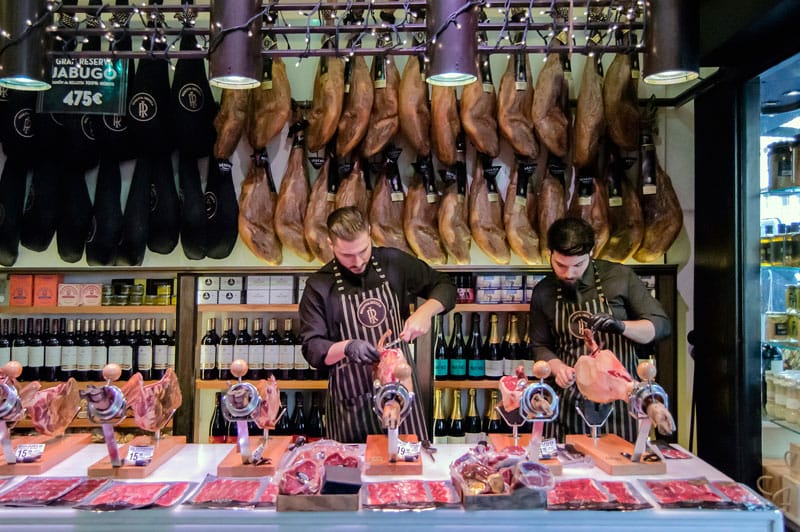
x: 247, y: 308
x: 84, y: 423
x: 481, y: 384
x: 283, y: 385
x: 492, y: 307
x: 110, y: 309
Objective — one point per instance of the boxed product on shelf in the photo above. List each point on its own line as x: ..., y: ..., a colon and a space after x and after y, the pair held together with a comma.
x: 45, y: 289
x: 4, y: 289
x: 511, y: 281
x: 91, y: 294
x: 207, y: 297
x: 776, y: 326
x: 280, y: 296
x: 512, y: 295
x: 281, y: 282
x: 231, y: 283
x: 532, y: 280
x: 207, y: 282
x: 489, y: 281
x: 489, y: 295
x: 230, y: 297
x: 257, y: 297
x: 526, y: 298
x: 20, y: 290
x: 257, y: 282
x: 69, y: 295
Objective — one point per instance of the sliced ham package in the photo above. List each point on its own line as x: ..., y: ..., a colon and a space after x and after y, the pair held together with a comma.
x: 215, y: 492
x: 627, y: 497
x: 38, y: 491
x: 687, y: 493
x: 175, y: 494
x: 397, y: 495
x: 125, y: 496
x: 87, y: 488
x: 579, y: 494
x: 742, y: 496
x: 300, y: 472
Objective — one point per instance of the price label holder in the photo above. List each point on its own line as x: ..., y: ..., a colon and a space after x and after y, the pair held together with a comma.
x: 86, y: 86
x: 139, y: 455
x: 408, y: 451
x: 548, y: 448
x: 29, y: 452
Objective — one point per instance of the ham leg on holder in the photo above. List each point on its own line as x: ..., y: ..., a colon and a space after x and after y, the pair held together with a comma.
x: 155, y: 403
x: 270, y: 409
x: 392, y: 367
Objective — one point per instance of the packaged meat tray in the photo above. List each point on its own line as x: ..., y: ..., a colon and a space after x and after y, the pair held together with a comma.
x: 175, y: 494
x: 83, y: 490
x: 687, y: 493
x: 268, y: 496
x: 670, y: 452
x: 397, y: 495
x: 217, y: 492
x: 125, y: 496
x: 444, y: 494
x: 579, y: 494
x: 300, y: 472
x: 742, y: 496
x: 626, y: 496
x: 38, y: 491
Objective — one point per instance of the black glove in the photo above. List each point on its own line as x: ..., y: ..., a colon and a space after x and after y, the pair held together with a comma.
x: 606, y: 323
x: 361, y: 352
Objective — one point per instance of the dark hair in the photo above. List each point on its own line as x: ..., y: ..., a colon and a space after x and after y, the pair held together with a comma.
x: 571, y: 237
x: 346, y: 223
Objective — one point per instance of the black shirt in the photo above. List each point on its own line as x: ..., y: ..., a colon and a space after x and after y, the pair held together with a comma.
x: 321, y: 309
x: 626, y: 294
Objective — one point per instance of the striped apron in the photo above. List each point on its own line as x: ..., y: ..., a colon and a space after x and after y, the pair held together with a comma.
x: 367, y: 315
x: 570, y: 319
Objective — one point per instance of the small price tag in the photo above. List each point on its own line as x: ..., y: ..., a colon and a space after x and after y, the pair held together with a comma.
x: 522, y: 201
x: 408, y: 451
x: 29, y: 452
x: 615, y: 201
x: 584, y: 200
x: 431, y: 198
x: 548, y: 448
x: 649, y: 190
x: 488, y: 88
x: 139, y: 455
x: 398, y: 196
x: 494, y: 197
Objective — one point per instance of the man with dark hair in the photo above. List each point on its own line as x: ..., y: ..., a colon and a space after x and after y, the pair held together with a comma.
x: 583, y: 292
x: 348, y: 304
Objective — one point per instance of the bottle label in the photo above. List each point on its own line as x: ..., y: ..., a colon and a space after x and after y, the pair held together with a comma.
x: 171, y: 356
x: 494, y: 368
x: 160, y: 356
x: 440, y: 367
x: 52, y: 356
x: 5, y: 355
x: 477, y: 368
x: 440, y: 440
x: 145, y: 353
x: 474, y: 437
x: 456, y: 439
x: 508, y: 366
x: 208, y: 356
x: 224, y: 356
x: 115, y: 354
x: 300, y: 362
x: 255, y: 357
x: 84, y: 361
x: 69, y: 357
x: 20, y: 354
x: 458, y: 367
x: 241, y: 352
x: 285, y: 357
x: 528, y: 365
x: 127, y: 358
x: 271, y: 356
x: 36, y: 356
x: 99, y: 357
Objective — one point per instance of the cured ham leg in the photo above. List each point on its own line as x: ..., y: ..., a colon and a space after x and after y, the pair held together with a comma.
x: 326, y: 108
x: 620, y: 101
x: 320, y: 205
x: 230, y: 121
x: 454, y: 216
x: 625, y: 215
x: 552, y: 202
x: 415, y: 114
x: 268, y: 413
x: 155, y: 403
x: 392, y: 367
x: 53, y: 409
x: 421, y: 215
x: 293, y: 199
x: 386, y: 210
x: 589, y: 117
x: 384, y: 120
x: 353, y: 189
x: 445, y: 124
x: 256, y: 208
x: 590, y: 202
x: 486, y: 215
x: 270, y: 105
x: 514, y: 101
x: 548, y: 114
x: 521, y: 234
x: 357, y: 106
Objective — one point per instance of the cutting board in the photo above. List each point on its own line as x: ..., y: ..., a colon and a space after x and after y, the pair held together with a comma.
x: 501, y: 441
x: 232, y: 465
x: 377, y: 457
x: 165, y: 449
x: 607, y: 455
x: 56, y: 450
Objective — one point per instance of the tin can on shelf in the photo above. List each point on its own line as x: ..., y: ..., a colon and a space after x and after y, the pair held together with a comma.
x: 781, y: 165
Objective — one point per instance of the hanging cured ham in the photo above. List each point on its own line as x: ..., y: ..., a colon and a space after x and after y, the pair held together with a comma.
x: 384, y: 120
x: 321, y: 203
x: 256, y: 208
x: 270, y: 104
x: 359, y: 96
x: 445, y: 124
x: 624, y: 213
x: 479, y: 112
x: 514, y: 101
x: 230, y: 121
x: 550, y: 106
x: 454, y: 212
x: 420, y: 219
x: 293, y: 197
x: 486, y: 213
x: 620, y: 101
x: 552, y: 199
x: 352, y: 189
x: 590, y: 202
x: 517, y: 217
x: 414, y: 114
x: 388, y: 202
x: 589, y: 117
x: 326, y: 107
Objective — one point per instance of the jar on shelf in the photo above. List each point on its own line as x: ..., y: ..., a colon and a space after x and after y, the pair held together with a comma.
x: 792, y: 411
x: 780, y: 165
x: 769, y: 377
x: 780, y: 397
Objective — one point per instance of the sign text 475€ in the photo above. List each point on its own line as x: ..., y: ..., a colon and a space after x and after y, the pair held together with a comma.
x: 86, y: 86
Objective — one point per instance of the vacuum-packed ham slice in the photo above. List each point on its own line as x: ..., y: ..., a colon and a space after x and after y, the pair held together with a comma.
x: 38, y: 491
x: 686, y: 493
x: 86, y: 488
x: 127, y: 496
x: 226, y: 492
x: 574, y: 494
x: 156, y: 402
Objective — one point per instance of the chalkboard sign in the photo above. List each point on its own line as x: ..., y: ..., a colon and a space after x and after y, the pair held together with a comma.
x: 86, y: 86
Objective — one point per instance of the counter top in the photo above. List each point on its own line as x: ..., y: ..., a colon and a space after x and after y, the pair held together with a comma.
x: 196, y: 460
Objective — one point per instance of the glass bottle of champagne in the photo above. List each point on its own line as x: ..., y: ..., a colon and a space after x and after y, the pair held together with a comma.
x: 19, y: 345
x: 527, y: 354
x: 5, y: 344
x: 458, y: 350
x: 440, y: 426
x: 441, y: 363
x: 241, y: 347
x: 208, y: 351
x: 315, y: 429
x: 272, y: 350
x: 492, y: 423
x: 161, y: 351
x: 455, y: 433
x: 35, y: 349
x: 69, y: 352
x: 255, y: 354
x: 491, y: 351
x: 84, y: 342
x: 286, y: 352
x: 52, y: 352
x: 512, y: 351
x: 145, y: 350
x: 472, y: 429
x: 171, y: 351
x: 225, y: 350
x: 476, y: 366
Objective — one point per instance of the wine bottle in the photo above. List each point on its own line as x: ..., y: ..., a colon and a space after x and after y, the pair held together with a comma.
x: 299, y: 416
x: 218, y: 430
x: 491, y: 351
x: 171, y: 350
x: 225, y: 350
x: 84, y: 342
x: 511, y: 348
x: 52, y: 352
x: 145, y: 350
x: 440, y: 426
x: 35, y: 349
x: 286, y: 352
x: 19, y: 345
x: 492, y: 424
x: 272, y: 350
x: 300, y: 365
x: 99, y: 350
x: 208, y: 351
x: 315, y: 428
x: 241, y: 346
x: 255, y: 354
x: 134, y: 331
x: 457, y: 350
x: 455, y: 433
x: 128, y: 340
x: 472, y: 428
x: 441, y: 363
x: 116, y: 345
x: 69, y: 352
x: 283, y: 427
x: 476, y: 366
x: 160, y: 351
x: 5, y: 344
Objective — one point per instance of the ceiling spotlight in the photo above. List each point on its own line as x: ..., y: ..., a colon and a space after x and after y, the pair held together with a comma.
x: 452, y: 47
x: 235, y: 46
x: 671, y: 42
x: 23, y: 64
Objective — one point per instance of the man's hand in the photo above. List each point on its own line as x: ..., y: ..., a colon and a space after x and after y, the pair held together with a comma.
x: 416, y: 325
x: 607, y: 324
x: 361, y: 352
x: 564, y: 374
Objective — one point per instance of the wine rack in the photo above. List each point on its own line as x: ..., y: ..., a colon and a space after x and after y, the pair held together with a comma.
x: 88, y: 310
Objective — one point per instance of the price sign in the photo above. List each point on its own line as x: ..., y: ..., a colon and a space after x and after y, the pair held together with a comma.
x: 86, y: 86
x: 548, y: 448
x: 29, y: 452
x: 139, y: 455
x: 408, y: 451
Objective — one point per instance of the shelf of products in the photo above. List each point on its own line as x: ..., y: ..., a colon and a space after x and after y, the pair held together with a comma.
x: 109, y: 309
x: 789, y: 191
x: 247, y: 308
x: 492, y: 307
x: 284, y: 384
x: 485, y: 384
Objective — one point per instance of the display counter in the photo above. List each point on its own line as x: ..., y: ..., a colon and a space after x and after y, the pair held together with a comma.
x: 196, y: 460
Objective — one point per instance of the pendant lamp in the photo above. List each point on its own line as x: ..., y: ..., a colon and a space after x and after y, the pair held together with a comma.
x: 235, y: 46
x: 452, y: 42
x: 671, y: 42
x: 23, y: 44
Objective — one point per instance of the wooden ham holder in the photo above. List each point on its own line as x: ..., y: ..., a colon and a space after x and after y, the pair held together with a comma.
x: 376, y: 459
x: 501, y: 441
x: 607, y: 455
x: 57, y: 449
x: 163, y: 450
x: 232, y: 465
